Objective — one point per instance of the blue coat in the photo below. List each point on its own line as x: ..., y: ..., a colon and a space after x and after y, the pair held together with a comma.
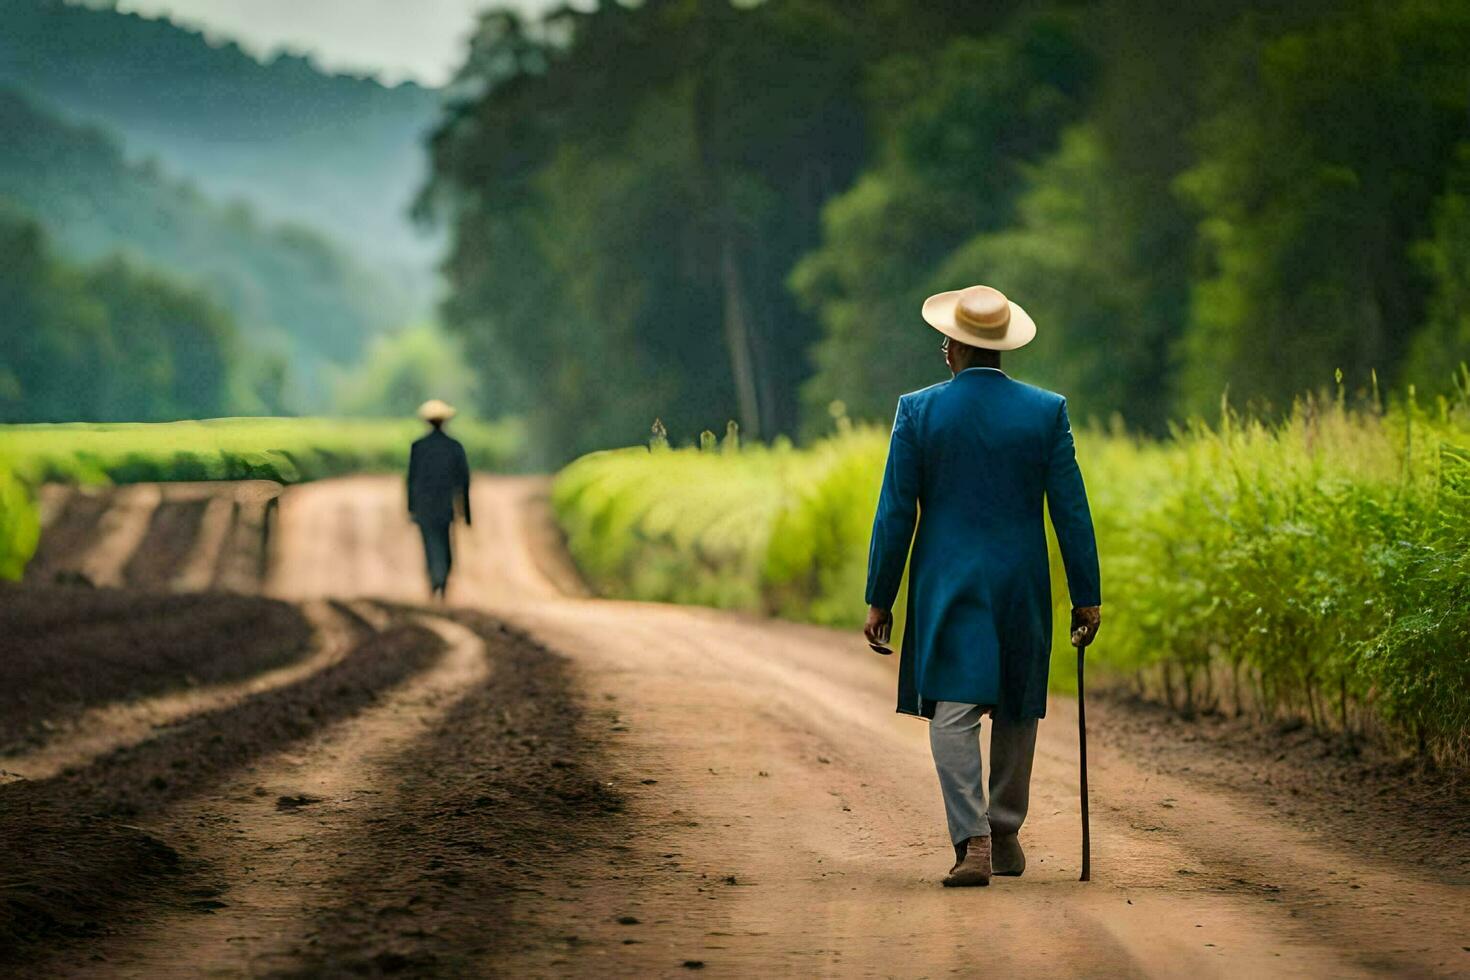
x: 970, y: 463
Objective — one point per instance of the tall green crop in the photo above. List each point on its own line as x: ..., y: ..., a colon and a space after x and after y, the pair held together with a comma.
x: 19, y: 523
x: 1316, y: 568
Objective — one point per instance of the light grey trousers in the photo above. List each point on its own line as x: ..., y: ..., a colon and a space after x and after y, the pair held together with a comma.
x: 954, y: 738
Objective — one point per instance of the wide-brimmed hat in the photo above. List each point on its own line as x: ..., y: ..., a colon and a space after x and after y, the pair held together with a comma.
x: 980, y: 316
x: 435, y: 410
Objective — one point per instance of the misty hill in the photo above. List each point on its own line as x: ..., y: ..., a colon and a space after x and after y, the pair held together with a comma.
x: 340, y: 153
x: 290, y: 290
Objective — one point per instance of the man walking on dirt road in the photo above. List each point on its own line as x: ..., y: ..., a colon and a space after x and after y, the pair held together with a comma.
x: 976, y: 456
x: 438, y: 476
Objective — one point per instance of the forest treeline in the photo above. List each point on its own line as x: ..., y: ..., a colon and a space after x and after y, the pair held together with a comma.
x: 702, y: 211
x: 275, y: 194
x: 112, y: 341
x: 337, y: 152
x: 303, y: 301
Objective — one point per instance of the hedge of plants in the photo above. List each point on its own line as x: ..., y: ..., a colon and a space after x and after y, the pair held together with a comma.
x: 1315, y: 567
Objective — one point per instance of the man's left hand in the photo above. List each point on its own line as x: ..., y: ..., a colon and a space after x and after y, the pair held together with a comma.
x: 879, y: 627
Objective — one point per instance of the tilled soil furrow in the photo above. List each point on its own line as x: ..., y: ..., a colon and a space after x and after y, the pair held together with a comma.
x: 70, y: 650
x: 195, y: 571
x: 504, y: 795
x: 273, y: 834
x: 110, y: 727
x: 70, y: 532
x: 278, y: 832
x: 165, y: 544
x: 74, y: 860
x: 244, y: 555
x: 118, y: 533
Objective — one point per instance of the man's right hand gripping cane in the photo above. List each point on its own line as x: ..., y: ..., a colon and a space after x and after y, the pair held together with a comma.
x: 1086, y: 621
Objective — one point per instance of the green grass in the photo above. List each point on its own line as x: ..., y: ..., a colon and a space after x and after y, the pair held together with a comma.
x: 287, y: 450
x: 1316, y: 568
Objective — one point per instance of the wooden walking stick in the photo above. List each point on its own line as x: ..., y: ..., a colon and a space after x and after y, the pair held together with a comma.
x: 1082, y: 753
x: 1082, y: 635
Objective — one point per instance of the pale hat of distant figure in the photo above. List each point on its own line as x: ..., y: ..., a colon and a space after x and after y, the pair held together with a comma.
x: 980, y: 316
x: 435, y: 410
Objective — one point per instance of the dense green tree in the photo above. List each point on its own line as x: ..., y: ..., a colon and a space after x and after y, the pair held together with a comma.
x: 170, y: 348
x: 1444, y: 342
x: 1188, y: 197
x: 1066, y: 259
x: 106, y: 343
x: 1318, y: 170
x: 291, y: 291
x: 957, y: 131
x: 404, y: 370
x: 52, y: 335
x: 627, y: 188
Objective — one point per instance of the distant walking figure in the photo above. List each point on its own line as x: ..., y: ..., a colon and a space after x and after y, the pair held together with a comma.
x: 438, y: 475
x: 970, y: 463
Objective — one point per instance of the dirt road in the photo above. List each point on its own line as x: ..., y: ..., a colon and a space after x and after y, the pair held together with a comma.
x: 766, y: 810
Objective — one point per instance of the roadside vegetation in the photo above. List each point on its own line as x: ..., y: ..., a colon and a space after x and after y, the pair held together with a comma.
x: 287, y: 450
x: 1314, y: 569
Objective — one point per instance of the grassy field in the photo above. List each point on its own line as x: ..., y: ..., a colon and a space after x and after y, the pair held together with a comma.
x: 288, y: 450
x: 1316, y: 569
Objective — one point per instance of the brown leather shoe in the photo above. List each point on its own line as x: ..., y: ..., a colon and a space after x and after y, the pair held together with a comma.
x: 1007, y: 859
x: 974, y: 870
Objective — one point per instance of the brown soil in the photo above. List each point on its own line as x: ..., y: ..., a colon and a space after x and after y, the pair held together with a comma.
x: 73, y: 860
x: 1395, y: 808
x: 69, y: 648
x: 639, y: 789
x: 69, y: 535
x: 158, y: 537
x: 499, y: 796
x: 166, y: 544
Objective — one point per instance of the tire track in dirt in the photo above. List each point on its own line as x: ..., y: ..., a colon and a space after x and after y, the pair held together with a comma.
x: 110, y: 727
x: 262, y: 829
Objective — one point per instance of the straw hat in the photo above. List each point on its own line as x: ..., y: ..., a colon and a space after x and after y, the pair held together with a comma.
x: 980, y: 316
x: 435, y: 410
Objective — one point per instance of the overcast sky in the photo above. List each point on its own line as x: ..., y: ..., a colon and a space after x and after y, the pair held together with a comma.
x: 393, y: 39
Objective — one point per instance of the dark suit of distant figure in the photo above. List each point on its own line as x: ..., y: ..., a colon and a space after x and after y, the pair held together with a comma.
x: 438, y: 476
